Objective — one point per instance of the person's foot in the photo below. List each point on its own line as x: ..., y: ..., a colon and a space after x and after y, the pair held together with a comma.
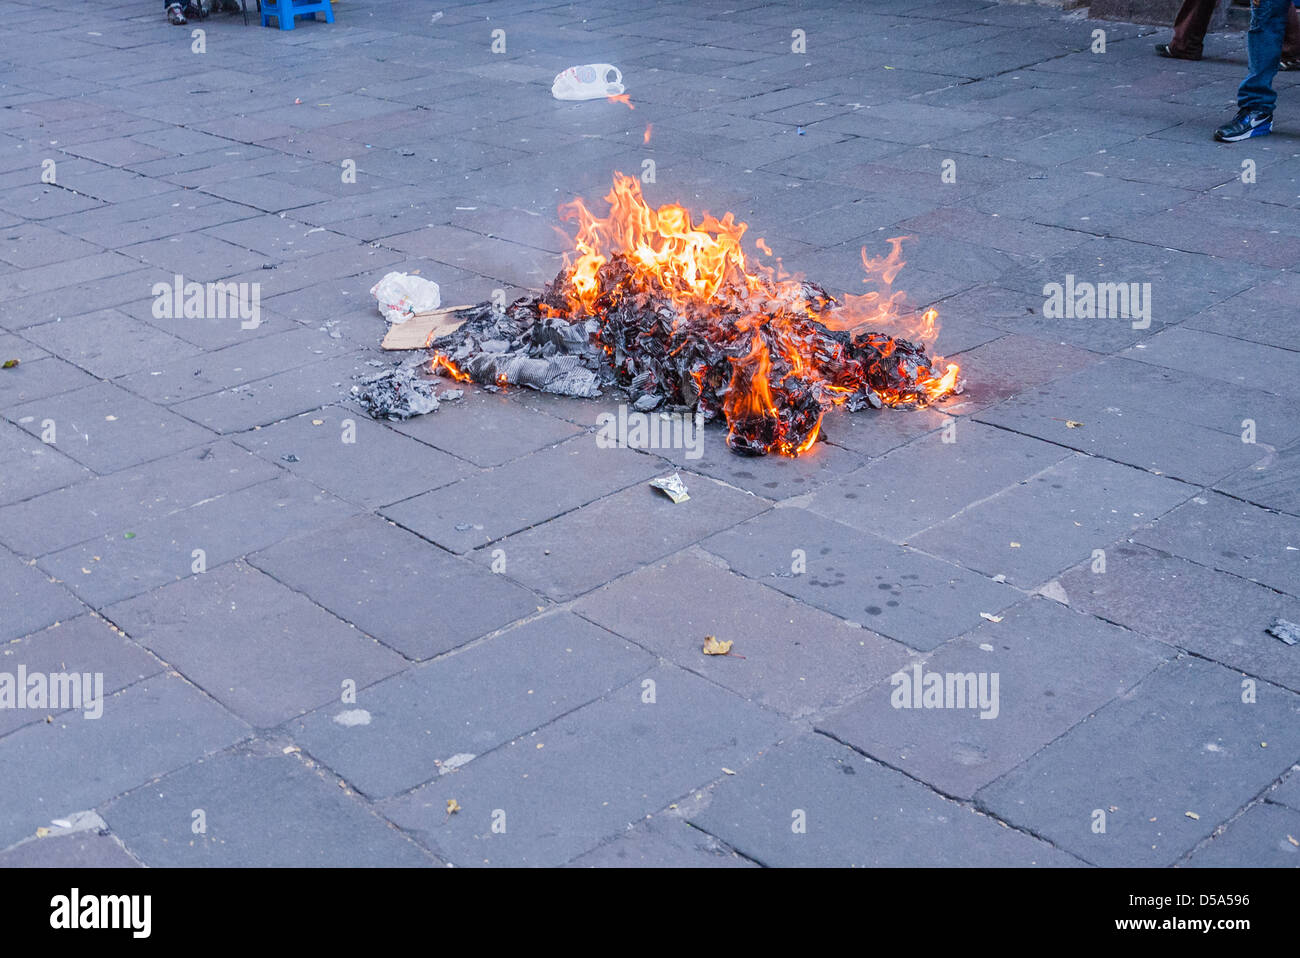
x: 1165, y: 50
x: 175, y: 16
x: 1244, y: 125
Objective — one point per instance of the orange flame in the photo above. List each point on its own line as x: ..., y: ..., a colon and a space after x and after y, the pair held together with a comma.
x: 621, y: 98
x: 701, y: 265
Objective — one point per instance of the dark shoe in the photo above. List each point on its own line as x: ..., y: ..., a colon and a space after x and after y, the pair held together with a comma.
x: 1166, y: 51
x: 1244, y: 125
x: 194, y: 9
x: 1289, y: 63
x: 175, y: 16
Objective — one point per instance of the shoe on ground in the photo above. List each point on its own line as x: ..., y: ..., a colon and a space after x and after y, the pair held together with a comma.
x: 175, y: 16
x: 1167, y: 51
x: 1244, y: 125
x: 1289, y: 63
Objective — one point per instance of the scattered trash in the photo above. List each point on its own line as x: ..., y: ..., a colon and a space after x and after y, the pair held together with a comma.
x: 673, y: 487
x: 590, y: 81
x: 128, y: 535
x: 1072, y: 424
x: 401, y: 295
x: 726, y: 770
x: 713, y: 647
x: 436, y: 17
x: 290, y: 457
x: 453, y: 806
x: 1285, y: 630
x: 455, y: 762
x: 990, y: 616
x: 397, y: 394
x: 450, y: 395
x: 10, y: 363
x: 352, y: 718
x: 1193, y: 816
x: 422, y: 330
x: 1055, y: 591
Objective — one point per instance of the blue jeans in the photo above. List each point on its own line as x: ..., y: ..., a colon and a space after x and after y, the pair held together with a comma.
x: 1264, y: 50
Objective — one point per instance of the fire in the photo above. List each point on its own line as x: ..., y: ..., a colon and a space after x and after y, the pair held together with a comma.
x: 621, y: 98
x: 682, y: 316
x: 441, y: 364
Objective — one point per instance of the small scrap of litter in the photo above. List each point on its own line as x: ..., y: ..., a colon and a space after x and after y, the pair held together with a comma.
x: 712, y: 646
x: 398, y: 394
x: 671, y: 486
x: 1285, y: 630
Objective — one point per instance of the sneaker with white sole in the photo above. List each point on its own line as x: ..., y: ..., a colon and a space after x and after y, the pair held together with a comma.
x: 1244, y: 125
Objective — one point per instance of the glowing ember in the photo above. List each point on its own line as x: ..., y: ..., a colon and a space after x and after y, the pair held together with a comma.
x: 674, y: 314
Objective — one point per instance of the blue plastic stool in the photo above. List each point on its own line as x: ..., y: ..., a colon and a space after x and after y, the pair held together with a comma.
x: 286, y: 10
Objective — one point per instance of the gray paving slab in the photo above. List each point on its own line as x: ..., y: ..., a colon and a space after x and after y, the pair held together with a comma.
x: 1037, y: 529
x: 32, y: 599
x: 1135, y: 422
x: 638, y: 756
x: 79, y: 850
x: 75, y: 763
x: 108, y: 343
x: 1233, y: 536
x: 486, y: 506
x: 487, y: 429
x: 1288, y: 793
x: 566, y: 557
x: 355, y: 457
x: 402, y: 590
x: 1212, y: 614
x: 125, y: 500
x: 788, y: 657
x: 1054, y: 667
x: 660, y: 842
x: 247, y: 794
x: 264, y: 651
x: 1264, y: 837
x: 84, y: 645
x: 107, y: 428
x: 899, y: 592
x: 432, y: 720
x: 1239, y: 363
x: 932, y: 479
x: 29, y: 467
x: 169, y: 547
x: 265, y: 401
x: 813, y: 801
x: 1181, y: 741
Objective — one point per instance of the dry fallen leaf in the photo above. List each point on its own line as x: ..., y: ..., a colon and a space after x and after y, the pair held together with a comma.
x: 728, y: 771
x: 713, y: 647
x: 42, y: 832
x: 1291, y: 839
x: 453, y: 806
x: 1193, y: 816
x: 11, y: 363
x: 990, y: 616
x: 1071, y: 424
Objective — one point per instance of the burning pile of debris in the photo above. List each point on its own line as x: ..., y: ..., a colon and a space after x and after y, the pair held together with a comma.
x: 670, y: 312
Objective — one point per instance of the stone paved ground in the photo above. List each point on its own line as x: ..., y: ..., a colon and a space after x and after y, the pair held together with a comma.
x: 1116, y: 577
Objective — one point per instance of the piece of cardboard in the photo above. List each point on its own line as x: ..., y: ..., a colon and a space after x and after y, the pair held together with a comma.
x: 422, y: 329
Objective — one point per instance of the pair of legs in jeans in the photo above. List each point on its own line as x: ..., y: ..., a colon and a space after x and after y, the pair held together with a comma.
x: 1274, y: 36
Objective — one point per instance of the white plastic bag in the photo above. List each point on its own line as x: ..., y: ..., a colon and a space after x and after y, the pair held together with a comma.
x: 401, y: 295
x: 588, y: 82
